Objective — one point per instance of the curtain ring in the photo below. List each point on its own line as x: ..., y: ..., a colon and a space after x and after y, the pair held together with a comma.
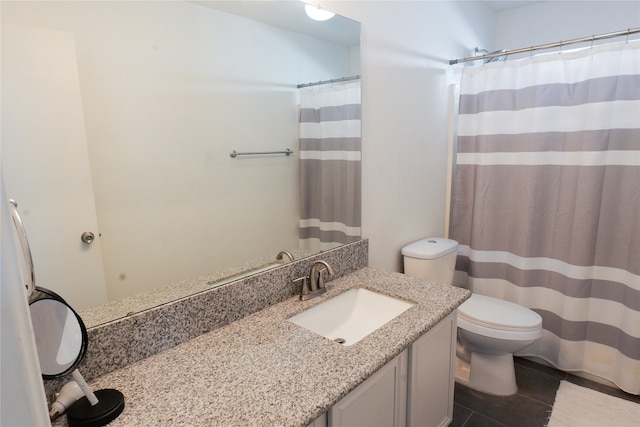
x: 592, y: 39
x: 628, y: 32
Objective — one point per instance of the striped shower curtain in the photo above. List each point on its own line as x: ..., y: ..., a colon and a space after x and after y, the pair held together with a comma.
x: 330, y: 165
x: 547, y: 200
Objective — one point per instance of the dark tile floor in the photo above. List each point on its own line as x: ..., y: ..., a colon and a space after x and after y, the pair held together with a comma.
x: 530, y: 407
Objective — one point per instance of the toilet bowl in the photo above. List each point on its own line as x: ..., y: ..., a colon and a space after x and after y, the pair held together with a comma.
x: 490, y: 330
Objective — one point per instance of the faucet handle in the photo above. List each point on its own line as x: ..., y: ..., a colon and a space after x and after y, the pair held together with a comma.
x: 304, y: 288
x: 321, y: 278
x: 317, y: 276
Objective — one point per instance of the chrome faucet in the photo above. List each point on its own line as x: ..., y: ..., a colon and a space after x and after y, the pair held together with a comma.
x: 282, y: 254
x: 313, y: 284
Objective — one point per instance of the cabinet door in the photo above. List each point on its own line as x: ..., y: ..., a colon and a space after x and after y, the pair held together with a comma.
x: 379, y: 401
x: 431, y: 376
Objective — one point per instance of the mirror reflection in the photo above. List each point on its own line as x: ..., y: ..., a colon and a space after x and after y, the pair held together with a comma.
x: 118, y: 120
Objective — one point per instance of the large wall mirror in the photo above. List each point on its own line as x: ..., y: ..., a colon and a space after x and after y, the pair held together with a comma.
x: 118, y: 119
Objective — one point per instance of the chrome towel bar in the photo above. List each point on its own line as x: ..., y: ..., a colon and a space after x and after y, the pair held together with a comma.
x: 24, y: 244
x: 234, y: 153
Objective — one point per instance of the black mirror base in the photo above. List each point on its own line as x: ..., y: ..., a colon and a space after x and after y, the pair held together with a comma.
x: 110, y: 405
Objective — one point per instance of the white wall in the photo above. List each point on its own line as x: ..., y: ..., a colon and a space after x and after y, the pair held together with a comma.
x: 553, y: 21
x: 406, y: 46
x: 168, y: 90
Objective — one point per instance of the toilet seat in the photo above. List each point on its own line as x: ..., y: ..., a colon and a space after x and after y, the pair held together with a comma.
x: 497, y: 318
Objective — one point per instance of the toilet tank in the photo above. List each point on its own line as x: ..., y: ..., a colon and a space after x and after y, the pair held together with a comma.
x: 433, y: 258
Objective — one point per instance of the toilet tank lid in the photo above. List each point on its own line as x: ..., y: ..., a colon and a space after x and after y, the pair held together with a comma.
x: 430, y: 248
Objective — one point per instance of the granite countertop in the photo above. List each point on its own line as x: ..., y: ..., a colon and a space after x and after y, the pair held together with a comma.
x: 264, y: 370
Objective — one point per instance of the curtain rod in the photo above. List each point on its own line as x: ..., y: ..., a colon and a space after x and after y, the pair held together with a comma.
x: 547, y: 46
x: 324, y: 82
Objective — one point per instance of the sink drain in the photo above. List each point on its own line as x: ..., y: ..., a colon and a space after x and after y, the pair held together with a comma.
x: 340, y: 340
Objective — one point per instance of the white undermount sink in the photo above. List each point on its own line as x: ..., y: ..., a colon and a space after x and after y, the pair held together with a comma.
x: 351, y: 316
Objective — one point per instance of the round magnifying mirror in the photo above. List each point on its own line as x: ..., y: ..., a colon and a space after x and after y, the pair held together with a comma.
x: 61, y: 340
x: 61, y: 337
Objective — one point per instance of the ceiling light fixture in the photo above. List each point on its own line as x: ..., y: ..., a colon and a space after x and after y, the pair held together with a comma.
x: 318, y: 14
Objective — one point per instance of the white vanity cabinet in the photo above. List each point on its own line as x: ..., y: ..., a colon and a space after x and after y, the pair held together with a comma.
x: 415, y: 389
x: 379, y: 401
x: 431, y: 376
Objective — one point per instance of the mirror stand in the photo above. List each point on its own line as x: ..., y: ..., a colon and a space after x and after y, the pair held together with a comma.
x: 95, y: 408
x: 61, y: 341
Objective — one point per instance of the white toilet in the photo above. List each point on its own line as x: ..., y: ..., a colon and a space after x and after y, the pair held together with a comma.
x: 490, y: 330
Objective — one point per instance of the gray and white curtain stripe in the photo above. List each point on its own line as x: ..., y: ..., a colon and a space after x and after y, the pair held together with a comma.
x: 547, y: 203
x: 330, y: 165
